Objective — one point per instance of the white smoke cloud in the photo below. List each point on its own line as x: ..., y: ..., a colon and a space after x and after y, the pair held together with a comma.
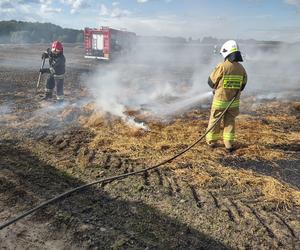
x: 5, y: 109
x: 167, y: 80
x: 156, y: 81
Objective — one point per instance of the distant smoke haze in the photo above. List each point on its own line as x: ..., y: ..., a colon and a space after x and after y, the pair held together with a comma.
x: 167, y: 80
x: 273, y: 71
x: 5, y: 109
x: 160, y: 79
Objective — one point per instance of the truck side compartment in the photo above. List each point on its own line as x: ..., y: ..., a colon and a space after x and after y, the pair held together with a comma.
x: 106, y: 43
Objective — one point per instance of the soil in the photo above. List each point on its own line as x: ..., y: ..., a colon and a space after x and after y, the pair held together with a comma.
x: 206, y: 199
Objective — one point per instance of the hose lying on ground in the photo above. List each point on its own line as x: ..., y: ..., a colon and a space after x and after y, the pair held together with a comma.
x: 117, y: 177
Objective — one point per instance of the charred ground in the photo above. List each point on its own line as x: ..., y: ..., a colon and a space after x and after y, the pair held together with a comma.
x: 203, y: 200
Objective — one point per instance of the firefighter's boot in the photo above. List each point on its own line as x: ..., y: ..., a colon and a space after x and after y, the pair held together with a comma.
x: 231, y: 149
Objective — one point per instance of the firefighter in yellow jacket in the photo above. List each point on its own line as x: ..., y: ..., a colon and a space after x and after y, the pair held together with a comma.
x: 227, y: 79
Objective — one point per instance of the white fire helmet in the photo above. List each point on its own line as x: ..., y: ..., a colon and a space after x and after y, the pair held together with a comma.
x: 228, y: 48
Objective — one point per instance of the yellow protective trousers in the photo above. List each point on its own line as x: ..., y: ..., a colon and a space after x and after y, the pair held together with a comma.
x: 228, y: 122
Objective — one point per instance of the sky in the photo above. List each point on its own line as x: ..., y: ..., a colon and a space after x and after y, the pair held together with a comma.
x: 228, y: 19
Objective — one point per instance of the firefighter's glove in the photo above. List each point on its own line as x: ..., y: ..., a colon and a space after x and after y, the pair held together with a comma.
x: 45, y: 71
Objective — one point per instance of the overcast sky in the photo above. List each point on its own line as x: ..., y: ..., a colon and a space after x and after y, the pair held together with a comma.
x: 258, y: 19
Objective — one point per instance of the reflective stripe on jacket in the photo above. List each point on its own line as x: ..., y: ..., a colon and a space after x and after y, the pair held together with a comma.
x: 233, y: 81
x: 226, y: 79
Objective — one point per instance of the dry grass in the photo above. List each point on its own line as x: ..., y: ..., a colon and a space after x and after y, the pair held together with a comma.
x: 271, y: 189
x: 167, y: 139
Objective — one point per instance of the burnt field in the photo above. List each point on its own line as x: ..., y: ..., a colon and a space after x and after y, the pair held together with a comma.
x: 205, y: 199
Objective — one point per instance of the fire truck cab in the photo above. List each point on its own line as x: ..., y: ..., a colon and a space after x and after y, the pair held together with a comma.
x: 106, y: 43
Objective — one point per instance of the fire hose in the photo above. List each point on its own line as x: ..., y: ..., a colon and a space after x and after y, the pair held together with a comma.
x: 117, y: 177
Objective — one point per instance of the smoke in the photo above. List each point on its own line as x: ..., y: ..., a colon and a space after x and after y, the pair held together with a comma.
x: 157, y: 79
x: 47, y: 116
x: 273, y: 70
x: 52, y: 117
x: 5, y: 109
x: 182, y: 105
x: 168, y: 79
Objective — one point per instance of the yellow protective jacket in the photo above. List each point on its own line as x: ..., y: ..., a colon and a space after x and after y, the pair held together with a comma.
x: 226, y: 79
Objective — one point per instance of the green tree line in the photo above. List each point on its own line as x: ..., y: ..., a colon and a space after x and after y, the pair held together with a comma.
x: 28, y: 32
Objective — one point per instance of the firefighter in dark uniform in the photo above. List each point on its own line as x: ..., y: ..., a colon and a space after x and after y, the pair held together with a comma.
x: 56, y: 70
x: 228, y: 79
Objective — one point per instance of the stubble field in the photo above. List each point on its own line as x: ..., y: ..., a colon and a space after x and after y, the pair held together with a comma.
x: 206, y: 199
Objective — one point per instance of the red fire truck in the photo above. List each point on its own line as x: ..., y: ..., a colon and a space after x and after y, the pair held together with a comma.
x: 106, y: 43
